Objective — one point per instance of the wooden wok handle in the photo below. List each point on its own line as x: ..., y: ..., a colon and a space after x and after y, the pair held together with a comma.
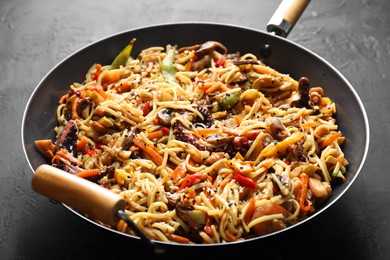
x: 286, y: 16
x: 80, y: 194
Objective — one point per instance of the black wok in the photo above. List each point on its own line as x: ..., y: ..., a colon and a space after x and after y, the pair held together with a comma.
x: 276, y: 51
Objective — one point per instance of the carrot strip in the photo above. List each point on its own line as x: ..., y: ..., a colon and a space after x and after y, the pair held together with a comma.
x: 207, y: 131
x: 265, y: 70
x: 154, y: 155
x: 213, y: 88
x: 206, y: 86
x: 249, y: 211
x: 223, y: 88
x: 155, y: 134
x: 101, y: 92
x: 81, y: 145
x: 226, y: 181
x: 179, y: 172
x: 310, y: 124
x: 238, y: 119
x: 74, y: 109
x: 191, y: 193
x: 46, y: 147
x: 178, y: 239
x: 330, y: 139
x: 110, y: 77
x: 88, y: 173
x: 302, y: 198
x: 230, y: 236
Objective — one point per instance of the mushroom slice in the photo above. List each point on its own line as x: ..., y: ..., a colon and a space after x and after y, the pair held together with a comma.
x: 209, y: 47
x: 164, y: 116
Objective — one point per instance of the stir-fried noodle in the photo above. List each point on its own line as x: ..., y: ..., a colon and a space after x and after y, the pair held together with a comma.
x: 205, y: 146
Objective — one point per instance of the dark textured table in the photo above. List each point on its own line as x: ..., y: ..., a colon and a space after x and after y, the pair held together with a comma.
x: 353, y: 35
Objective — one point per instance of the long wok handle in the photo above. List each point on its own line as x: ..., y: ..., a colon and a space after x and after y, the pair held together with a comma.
x: 82, y: 195
x: 286, y: 16
x: 87, y: 197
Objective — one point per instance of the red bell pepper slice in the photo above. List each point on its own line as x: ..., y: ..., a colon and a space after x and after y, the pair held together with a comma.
x: 145, y: 108
x: 190, y: 180
x: 244, y: 181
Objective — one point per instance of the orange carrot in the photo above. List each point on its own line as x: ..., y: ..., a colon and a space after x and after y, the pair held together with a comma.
x: 155, y: 134
x: 303, y: 192
x: 46, y: 147
x: 159, y: 133
x: 100, y: 91
x: 341, y: 159
x: 213, y: 88
x: 230, y: 236
x: 206, y: 86
x: 110, y: 77
x: 154, y: 155
x: 191, y: 193
x: 330, y: 139
x: 123, y: 86
x: 207, y: 131
x: 179, y: 172
x: 226, y: 181
x: 178, y: 239
x: 265, y: 70
x: 75, y: 103
x: 81, y: 145
x: 310, y: 124
x: 238, y: 119
x: 249, y: 211
x: 88, y: 173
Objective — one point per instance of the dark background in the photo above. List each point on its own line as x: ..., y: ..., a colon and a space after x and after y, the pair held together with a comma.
x: 353, y: 35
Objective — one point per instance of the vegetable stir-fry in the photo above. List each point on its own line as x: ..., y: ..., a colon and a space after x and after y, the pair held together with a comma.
x: 204, y: 145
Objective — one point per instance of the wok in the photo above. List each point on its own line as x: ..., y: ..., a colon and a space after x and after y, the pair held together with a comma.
x: 272, y: 47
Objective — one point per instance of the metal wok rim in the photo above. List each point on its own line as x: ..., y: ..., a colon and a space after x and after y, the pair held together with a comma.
x: 226, y: 25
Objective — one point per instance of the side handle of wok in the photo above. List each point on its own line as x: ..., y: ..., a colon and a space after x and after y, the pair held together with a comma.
x: 82, y: 195
x: 94, y: 201
x: 286, y: 16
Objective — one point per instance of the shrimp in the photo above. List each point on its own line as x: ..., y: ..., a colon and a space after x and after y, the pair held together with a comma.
x: 268, y: 226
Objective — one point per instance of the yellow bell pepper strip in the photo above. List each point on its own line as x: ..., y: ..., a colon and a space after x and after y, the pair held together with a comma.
x: 244, y: 181
x: 167, y: 68
x: 278, y: 148
x: 123, y: 56
x: 189, y: 180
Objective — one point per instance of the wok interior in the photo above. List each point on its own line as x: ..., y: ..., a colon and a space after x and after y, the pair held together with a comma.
x: 39, y: 118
